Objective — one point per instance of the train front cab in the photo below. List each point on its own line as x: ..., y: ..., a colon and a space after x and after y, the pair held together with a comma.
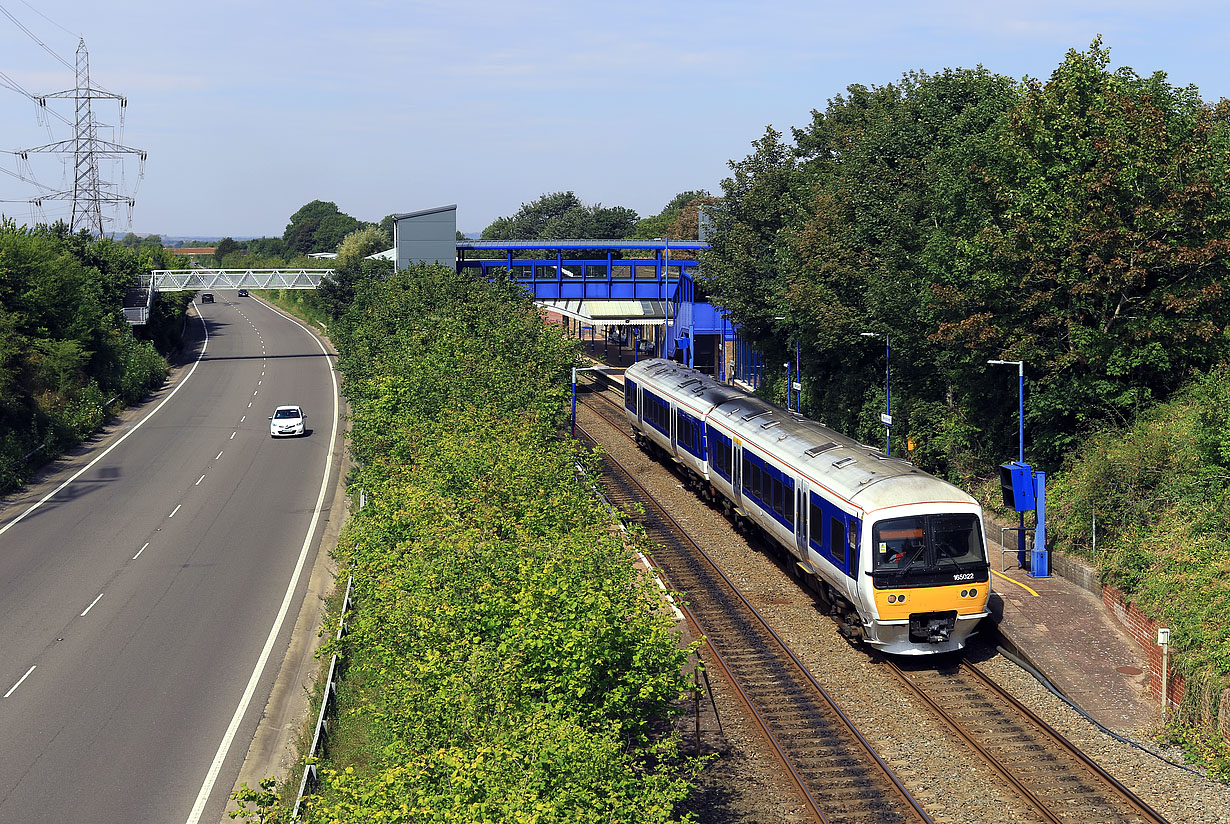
x: 926, y: 579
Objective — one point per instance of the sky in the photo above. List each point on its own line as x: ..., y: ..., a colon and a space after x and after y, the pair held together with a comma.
x: 247, y: 111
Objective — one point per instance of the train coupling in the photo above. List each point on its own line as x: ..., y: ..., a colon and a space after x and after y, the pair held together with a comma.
x: 932, y: 627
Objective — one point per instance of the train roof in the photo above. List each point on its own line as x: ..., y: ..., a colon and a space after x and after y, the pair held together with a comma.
x: 859, y: 473
x: 696, y: 388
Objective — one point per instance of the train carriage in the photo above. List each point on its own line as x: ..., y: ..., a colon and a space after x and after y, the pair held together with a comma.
x: 897, y: 554
x: 667, y: 406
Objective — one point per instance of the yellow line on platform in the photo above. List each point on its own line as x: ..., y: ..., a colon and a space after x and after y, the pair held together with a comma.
x: 1018, y: 583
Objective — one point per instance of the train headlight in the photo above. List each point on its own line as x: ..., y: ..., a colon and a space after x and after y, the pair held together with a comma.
x: 973, y: 593
x: 965, y: 593
x: 892, y: 599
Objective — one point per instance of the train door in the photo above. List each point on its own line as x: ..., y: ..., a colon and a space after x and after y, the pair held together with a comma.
x: 674, y: 430
x: 736, y: 471
x: 800, y: 518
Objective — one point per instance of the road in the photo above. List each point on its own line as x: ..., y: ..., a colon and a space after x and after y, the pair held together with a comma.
x: 142, y: 603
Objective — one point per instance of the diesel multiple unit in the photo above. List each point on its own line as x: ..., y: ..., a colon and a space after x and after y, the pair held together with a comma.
x: 897, y: 555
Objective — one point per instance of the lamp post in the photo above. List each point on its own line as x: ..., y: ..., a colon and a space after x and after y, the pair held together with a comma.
x: 1020, y: 440
x: 798, y: 375
x: 887, y: 420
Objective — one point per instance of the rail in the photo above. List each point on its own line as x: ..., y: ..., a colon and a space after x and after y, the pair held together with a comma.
x: 327, y: 705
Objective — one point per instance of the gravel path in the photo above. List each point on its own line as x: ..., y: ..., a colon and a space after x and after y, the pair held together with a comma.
x: 743, y: 784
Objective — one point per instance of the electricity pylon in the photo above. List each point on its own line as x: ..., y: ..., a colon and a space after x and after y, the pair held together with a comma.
x: 89, y: 191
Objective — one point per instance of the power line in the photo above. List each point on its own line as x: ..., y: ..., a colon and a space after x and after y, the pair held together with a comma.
x: 89, y: 192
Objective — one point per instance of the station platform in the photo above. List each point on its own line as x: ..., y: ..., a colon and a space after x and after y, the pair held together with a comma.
x: 1066, y: 633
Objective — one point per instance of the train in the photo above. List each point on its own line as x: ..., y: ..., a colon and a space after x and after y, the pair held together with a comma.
x: 896, y: 555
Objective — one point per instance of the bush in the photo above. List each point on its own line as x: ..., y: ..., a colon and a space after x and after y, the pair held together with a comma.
x: 505, y: 661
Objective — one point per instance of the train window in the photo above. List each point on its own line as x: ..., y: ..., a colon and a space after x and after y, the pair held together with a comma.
x: 852, y: 536
x: 630, y: 395
x: 778, y: 506
x: 899, y: 543
x: 957, y: 537
x: 756, y: 480
x: 837, y: 544
x: 788, y: 499
x: 747, y: 473
x: 816, y: 519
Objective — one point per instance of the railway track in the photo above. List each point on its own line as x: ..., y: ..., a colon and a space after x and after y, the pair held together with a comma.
x: 838, y: 773
x: 1053, y: 779
x: 1061, y: 783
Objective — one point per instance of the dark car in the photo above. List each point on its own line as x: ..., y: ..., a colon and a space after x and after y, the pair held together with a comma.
x: 207, y: 297
x: 243, y: 293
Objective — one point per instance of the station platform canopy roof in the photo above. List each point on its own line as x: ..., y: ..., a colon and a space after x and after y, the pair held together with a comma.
x: 610, y: 312
x: 612, y: 245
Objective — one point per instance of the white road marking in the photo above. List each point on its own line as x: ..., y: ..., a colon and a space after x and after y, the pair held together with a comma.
x: 13, y: 688
x: 172, y: 515
x: 119, y: 441
x: 198, y: 480
x: 211, y: 777
x: 245, y: 417
x: 249, y: 406
x: 92, y: 603
x: 216, y: 457
x: 139, y: 551
x: 233, y: 434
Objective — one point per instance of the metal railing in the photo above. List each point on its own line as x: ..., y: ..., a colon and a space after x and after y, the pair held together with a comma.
x: 327, y: 705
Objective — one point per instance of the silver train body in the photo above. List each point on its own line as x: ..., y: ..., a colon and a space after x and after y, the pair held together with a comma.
x: 897, y: 555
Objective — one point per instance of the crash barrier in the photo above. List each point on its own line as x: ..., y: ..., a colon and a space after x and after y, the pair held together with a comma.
x: 327, y: 705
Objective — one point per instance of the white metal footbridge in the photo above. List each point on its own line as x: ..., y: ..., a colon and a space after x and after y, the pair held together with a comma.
x: 140, y: 298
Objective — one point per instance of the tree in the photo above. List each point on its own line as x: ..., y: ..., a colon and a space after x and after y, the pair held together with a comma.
x: 225, y: 247
x: 671, y: 221
x: 562, y: 216
x: 361, y: 243
x: 317, y: 227
x: 1104, y: 268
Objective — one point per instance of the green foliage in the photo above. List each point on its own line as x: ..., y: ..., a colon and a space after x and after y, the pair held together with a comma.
x: 678, y: 219
x: 1078, y: 225
x: 361, y: 243
x: 258, y: 806
x: 562, y: 216
x: 505, y: 662
x: 66, y: 353
x: 318, y: 227
x: 225, y: 247
x: 1160, y: 490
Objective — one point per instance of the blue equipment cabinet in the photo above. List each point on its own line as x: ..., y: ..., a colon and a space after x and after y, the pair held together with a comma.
x: 1016, y: 480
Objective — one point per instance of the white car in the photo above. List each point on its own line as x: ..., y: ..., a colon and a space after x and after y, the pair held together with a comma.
x: 287, y: 421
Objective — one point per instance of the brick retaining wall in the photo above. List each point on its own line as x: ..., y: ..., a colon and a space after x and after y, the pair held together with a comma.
x: 1143, y: 629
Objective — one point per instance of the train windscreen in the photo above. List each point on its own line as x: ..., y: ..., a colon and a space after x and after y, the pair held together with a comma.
x: 926, y: 543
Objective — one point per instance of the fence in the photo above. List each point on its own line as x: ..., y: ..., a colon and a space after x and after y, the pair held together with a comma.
x: 327, y: 705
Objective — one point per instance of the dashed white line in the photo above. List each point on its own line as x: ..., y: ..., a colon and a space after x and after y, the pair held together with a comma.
x: 233, y: 434
x: 13, y: 688
x: 139, y: 551
x: 245, y: 417
x: 219, y: 455
x: 255, y: 392
x: 249, y: 404
x: 92, y: 603
x: 172, y: 515
x: 198, y: 480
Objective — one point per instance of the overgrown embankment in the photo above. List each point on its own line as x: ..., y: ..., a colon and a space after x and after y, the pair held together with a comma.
x: 503, y: 661
x: 68, y: 359
x: 1160, y: 492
